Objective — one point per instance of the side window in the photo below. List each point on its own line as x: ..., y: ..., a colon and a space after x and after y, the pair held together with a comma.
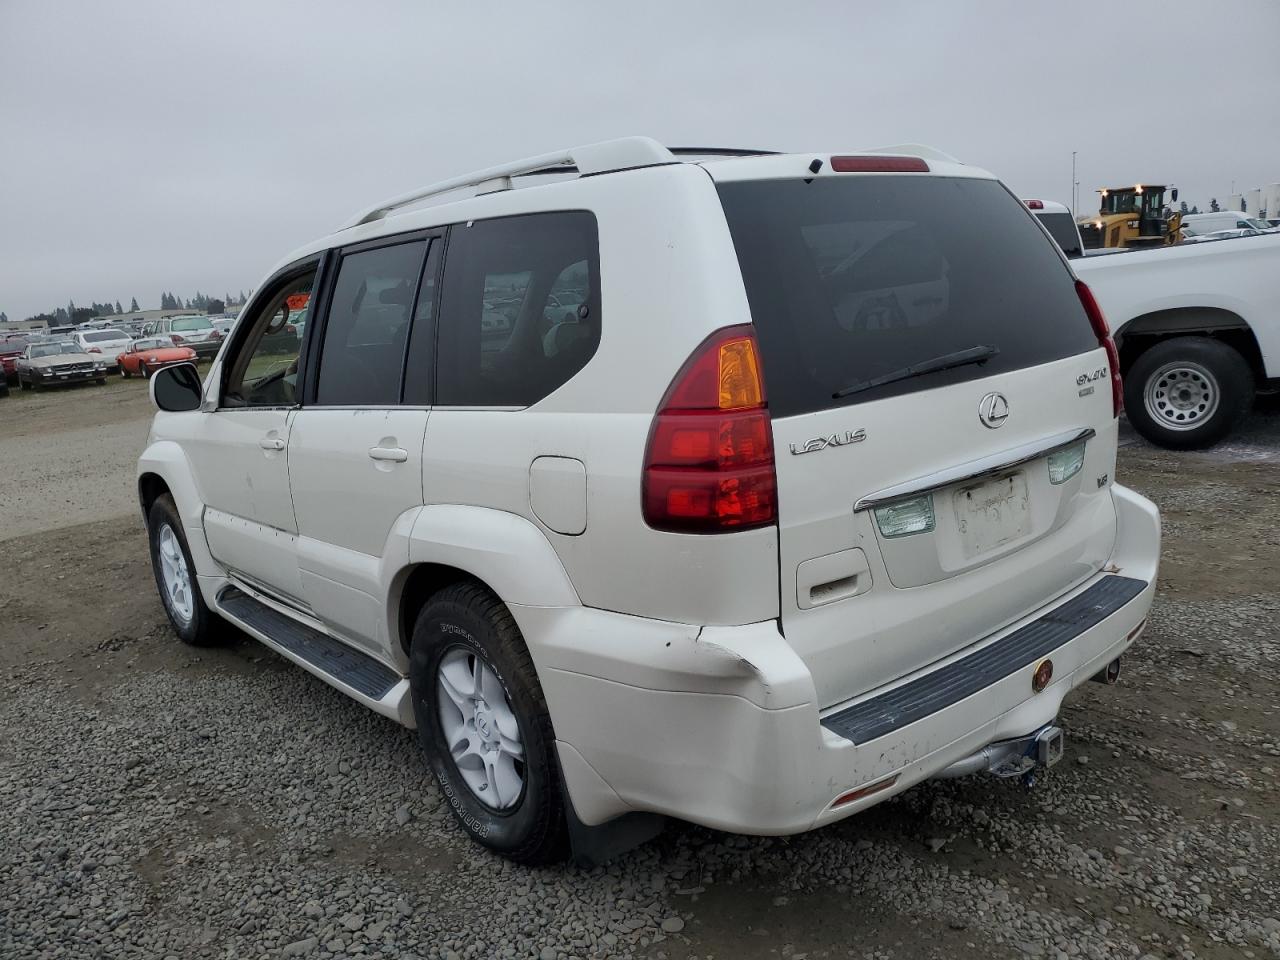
x: 264, y: 369
x: 362, y: 358
x: 519, y: 309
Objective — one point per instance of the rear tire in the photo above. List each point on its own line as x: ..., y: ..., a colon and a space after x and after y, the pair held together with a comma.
x: 471, y: 633
x: 124, y: 372
x: 175, y: 575
x: 1188, y: 392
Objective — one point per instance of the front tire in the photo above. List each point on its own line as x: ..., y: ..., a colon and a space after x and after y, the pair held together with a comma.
x: 483, y: 725
x: 175, y: 574
x: 1188, y: 392
x: 145, y: 371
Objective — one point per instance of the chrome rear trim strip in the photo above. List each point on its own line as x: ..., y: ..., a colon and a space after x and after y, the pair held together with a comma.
x: 974, y: 469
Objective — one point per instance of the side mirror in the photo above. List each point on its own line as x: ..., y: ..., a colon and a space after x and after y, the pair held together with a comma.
x: 176, y: 389
x: 1174, y: 194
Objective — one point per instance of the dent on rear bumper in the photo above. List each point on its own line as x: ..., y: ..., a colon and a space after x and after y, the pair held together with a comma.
x: 719, y: 726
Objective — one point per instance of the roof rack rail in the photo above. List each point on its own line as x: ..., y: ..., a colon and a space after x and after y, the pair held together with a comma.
x: 721, y: 152
x: 607, y: 155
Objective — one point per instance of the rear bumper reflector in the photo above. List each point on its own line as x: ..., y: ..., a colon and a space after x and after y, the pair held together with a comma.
x: 962, y: 678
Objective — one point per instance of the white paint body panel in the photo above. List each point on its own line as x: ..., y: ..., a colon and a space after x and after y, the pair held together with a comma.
x: 346, y: 504
x: 249, y: 518
x: 1241, y: 276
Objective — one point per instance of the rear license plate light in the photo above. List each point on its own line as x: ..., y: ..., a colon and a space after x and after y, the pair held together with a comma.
x: 906, y: 517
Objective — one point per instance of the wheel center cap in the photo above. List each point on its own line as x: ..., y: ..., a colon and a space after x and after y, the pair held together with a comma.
x: 483, y: 722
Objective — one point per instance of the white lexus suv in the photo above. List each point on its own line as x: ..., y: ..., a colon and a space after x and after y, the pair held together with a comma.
x: 743, y: 489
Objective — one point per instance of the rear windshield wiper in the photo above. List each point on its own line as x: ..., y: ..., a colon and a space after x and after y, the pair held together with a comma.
x: 960, y: 358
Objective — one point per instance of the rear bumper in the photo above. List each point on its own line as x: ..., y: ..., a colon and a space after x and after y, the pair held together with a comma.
x: 719, y: 726
x: 205, y: 349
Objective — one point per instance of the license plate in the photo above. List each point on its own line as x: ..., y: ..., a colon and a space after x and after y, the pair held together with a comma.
x: 992, y: 513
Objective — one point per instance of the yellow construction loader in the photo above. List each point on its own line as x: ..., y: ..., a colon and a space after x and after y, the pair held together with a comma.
x: 1132, y: 217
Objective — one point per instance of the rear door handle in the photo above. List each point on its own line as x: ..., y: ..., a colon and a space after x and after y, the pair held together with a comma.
x: 271, y: 443
x: 394, y: 454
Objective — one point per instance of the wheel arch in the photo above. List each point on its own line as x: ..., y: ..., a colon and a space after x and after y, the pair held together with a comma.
x: 1143, y: 332
x: 505, y: 553
x: 164, y: 468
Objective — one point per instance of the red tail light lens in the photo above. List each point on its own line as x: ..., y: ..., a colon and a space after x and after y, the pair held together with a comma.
x: 94, y: 350
x: 176, y: 338
x: 708, y: 466
x: 1035, y: 204
x: 875, y: 164
x: 1105, y: 340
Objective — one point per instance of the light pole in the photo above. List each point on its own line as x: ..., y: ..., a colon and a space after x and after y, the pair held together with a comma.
x: 1075, y: 185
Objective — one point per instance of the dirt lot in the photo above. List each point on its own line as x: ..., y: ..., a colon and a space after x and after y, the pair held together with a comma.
x: 162, y: 801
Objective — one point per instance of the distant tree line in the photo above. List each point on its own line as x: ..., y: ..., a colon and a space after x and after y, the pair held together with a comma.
x: 168, y: 301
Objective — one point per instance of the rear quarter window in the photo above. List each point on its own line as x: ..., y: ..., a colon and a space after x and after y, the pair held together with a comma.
x: 853, y: 278
x: 519, y: 308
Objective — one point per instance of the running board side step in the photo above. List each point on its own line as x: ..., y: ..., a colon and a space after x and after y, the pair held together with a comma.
x: 328, y: 657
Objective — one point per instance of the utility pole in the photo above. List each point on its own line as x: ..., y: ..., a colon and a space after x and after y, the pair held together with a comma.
x: 1075, y: 186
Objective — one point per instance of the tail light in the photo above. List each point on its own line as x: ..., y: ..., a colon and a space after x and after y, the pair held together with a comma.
x: 708, y: 466
x: 1106, y: 341
x: 94, y: 350
x: 1035, y: 204
x: 176, y: 339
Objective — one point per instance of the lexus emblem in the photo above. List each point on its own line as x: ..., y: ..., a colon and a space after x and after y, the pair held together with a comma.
x: 993, y: 411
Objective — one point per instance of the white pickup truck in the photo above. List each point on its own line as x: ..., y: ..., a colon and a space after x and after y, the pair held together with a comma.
x: 1198, y: 327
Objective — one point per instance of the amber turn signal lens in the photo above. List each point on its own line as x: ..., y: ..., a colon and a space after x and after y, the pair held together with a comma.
x: 1044, y: 673
x: 740, y: 381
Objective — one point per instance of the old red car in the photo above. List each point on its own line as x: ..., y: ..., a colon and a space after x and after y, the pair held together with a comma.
x: 144, y: 357
x: 11, y: 349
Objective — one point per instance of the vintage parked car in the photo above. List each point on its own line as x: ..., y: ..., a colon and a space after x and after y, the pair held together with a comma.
x: 57, y: 362
x: 10, y: 350
x: 105, y: 342
x: 196, y: 332
x: 145, y: 356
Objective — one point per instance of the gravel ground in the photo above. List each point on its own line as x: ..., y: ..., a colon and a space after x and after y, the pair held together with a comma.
x: 161, y: 801
x: 87, y: 473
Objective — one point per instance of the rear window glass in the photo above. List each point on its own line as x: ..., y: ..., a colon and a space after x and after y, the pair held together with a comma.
x: 855, y: 279
x: 1063, y: 230
x: 191, y: 323
x: 104, y: 335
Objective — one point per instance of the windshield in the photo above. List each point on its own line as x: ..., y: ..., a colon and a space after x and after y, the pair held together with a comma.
x: 151, y: 343
x: 191, y: 323
x: 53, y: 349
x: 853, y: 278
x: 1063, y: 230
x: 102, y: 336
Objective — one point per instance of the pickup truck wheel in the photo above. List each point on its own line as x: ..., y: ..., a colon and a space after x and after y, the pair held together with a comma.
x: 175, y: 575
x: 1188, y: 392
x: 483, y: 725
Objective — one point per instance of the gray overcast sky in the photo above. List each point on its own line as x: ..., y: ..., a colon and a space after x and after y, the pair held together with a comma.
x: 173, y: 145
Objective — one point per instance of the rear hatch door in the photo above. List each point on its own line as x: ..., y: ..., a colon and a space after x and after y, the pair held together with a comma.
x: 942, y: 416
